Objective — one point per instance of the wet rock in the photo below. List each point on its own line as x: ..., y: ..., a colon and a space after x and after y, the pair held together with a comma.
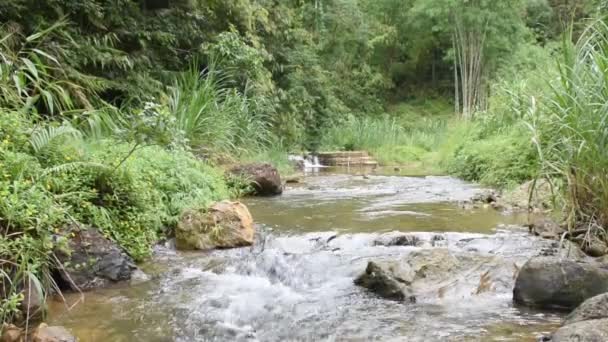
x: 139, y: 277
x: 593, y: 308
x: 420, y: 272
x: 45, y: 333
x: 564, y: 249
x: 93, y: 261
x: 32, y: 305
x: 551, y: 283
x: 546, y: 228
x: 11, y: 333
x: 383, y: 281
x: 584, y: 331
x: 399, y: 239
x: 224, y: 225
x: 265, y: 179
x: 487, y: 197
x: 431, y: 264
x: 595, y: 248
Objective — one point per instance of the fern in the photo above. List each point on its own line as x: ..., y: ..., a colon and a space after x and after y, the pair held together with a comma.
x: 42, y: 138
x: 67, y: 167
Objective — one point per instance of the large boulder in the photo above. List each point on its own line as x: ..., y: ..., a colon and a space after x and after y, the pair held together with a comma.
x: 224, y: 225
x: 92, y: 261
x: 45, y: 333
x: 385, y: 282
x: 593, y: 308
x: 552, y: 283
x: 420, y: 272
x: 264, y: 178
x: 584, y: 331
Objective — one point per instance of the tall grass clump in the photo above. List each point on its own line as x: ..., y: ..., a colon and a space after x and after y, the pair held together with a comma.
x: 390, y: 138
x: 572, y: 137
x: 214, y: 117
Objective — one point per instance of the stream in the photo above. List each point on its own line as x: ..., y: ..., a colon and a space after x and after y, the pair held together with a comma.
x: 296, y: 282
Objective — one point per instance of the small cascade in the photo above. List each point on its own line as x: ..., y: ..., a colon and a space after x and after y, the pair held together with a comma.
x: 348, y: 159
x: 307, y: 162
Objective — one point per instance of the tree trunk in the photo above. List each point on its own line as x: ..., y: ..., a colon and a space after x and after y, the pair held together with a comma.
x: 468, y: 43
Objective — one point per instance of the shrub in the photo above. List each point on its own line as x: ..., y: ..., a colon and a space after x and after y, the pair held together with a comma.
x: 504, y: 159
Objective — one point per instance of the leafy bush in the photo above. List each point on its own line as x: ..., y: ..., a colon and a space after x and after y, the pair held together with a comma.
x: 504, y: 159
x: 214, y: 118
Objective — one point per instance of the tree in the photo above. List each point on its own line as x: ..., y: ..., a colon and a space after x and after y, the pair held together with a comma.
x: 481, y: 31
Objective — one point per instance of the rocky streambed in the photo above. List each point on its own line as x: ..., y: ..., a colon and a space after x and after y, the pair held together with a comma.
x: 324, y: 254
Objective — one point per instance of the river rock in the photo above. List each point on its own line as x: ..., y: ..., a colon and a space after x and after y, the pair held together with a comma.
x: 224, y: 225
x: 93, y: 261
x: 546, y: 228
x: 486, y: 196
x: 520, y: 196
x: 384, y: 281
x: 585, y: 331
x: 397, y: 239
x: 45, y: 333
x: 593, y: 308
x: 32, y: 305
x: 265, y: 179
x: 11, y: 333
x: 551, y: 283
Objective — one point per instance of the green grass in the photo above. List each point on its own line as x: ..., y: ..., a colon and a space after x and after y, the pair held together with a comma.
x: 409, y: 135
x: 570, y: 132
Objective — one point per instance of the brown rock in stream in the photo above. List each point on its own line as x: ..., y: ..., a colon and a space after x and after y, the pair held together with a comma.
x: 11, y: 333
x: 45, y: 333
x: 265, y: 179
x: 224, y: 225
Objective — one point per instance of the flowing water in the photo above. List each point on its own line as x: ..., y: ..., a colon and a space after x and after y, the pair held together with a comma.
x: 296, y: 282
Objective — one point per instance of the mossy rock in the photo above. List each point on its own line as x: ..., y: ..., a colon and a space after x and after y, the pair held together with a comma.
x: 224, y: 225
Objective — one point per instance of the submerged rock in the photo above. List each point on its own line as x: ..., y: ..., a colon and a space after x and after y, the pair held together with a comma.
x: 11, y: 333
x: 383, y: 281
x: 224, y: 225
x: 593, y: 308
x: 265, y: 179
x: 584, y: 331
x: 45, y: 333
x: 93, y: 261
x: 558, y: 284
x: 397, y: 239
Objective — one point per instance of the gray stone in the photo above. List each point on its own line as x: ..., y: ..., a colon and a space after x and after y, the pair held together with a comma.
x: 93, y: 261
x: 397, y: 239
x: 593, y: 308
x: 551, y: 283
x: 585, y: 331
x: 382, y: 280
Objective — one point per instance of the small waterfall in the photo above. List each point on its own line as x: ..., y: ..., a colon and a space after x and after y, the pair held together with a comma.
x: 307, y: 162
